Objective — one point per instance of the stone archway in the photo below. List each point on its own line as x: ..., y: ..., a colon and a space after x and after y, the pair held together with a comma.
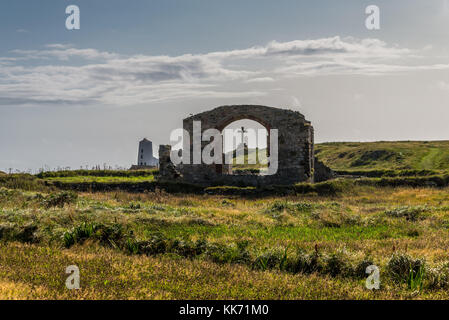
x: 239, y: 134
x: 295, y: 144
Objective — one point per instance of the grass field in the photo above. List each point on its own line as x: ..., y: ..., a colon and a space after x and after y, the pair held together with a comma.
x: 77, y: 179
x: 313, y: 242
x: 158, y: 245
x: 368, y: 156
x: 399, y: 155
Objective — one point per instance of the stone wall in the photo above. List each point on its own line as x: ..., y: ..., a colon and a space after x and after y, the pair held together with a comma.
x: 167, y: 169
x: 295, y: 143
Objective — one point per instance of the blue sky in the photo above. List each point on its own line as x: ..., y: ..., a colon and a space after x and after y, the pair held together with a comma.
x: 197, y: 26
x: 136, y: 68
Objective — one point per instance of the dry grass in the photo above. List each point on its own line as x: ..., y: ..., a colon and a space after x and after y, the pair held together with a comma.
x: 355, y: 222
x: 38, y: 273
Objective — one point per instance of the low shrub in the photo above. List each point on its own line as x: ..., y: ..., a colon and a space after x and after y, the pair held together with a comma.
x: 407, y: 212
x: 438, y: 277
x: 238, y: 253
x: 305, y: 263
x: 23, y: 181
x: 112, y: 235
x: 404, y: 269
x: 187, y: 248
x: 270, y: 259
x: 337, y: 264
x: 360, y: 268
x: 79, y: 234
x: 12, y: 232
x: 60, y: 199
x: 278, y: 206
x: 156, y: 245
x: 134, y: 205
x: 303, y: 206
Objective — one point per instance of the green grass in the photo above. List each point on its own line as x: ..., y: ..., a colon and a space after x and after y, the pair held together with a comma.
x: 307, y: 241
x: 106, y: 179
x: 395, y: 155
x: 283, y: 234
x: 97, y: 173
x: 138, y: 245
x: 241, y: 163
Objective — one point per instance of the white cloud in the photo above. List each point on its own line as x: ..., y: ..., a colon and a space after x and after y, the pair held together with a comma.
x: 68, y: 75
x: 326, y: 47
x: 328, y: 67
x: 260, y: 80
x: 62, y: 52
x: 58, y: 45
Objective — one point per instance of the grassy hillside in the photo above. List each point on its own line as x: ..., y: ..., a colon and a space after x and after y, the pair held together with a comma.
x: 397, y: 155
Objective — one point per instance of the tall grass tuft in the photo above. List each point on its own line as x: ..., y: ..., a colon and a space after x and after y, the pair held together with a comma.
x: 404, y: 269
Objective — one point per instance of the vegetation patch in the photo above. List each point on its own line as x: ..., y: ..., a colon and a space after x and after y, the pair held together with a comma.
x: 389, y: 173
x: 385, y: 155
x: 127, y: 186
x: 14, y: 232
x: 333, y: 187
x: 60, y: 199
x: 405, y: 269
x: 408, y: 212
x: 262, y: 242
x: 97, y: 173
x: 110, y: 235
x: 22, y: 181
x: 370, y: 156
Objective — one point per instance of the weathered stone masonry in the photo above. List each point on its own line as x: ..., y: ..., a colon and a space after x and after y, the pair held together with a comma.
x: 295, y: 143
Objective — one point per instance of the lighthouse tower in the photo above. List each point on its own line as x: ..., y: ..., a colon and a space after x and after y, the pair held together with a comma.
x: 145, y: 155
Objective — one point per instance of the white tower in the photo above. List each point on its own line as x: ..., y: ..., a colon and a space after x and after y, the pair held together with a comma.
x: 145, y: 155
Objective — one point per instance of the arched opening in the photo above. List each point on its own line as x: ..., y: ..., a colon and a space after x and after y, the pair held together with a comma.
x: 245, y: 147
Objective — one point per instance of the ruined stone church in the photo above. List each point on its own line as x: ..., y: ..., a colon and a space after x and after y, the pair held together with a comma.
x: 295, y: 154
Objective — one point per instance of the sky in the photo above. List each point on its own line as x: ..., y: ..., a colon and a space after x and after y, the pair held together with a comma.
x: 135, y: 69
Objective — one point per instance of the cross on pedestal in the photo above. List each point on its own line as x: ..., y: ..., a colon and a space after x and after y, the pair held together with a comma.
x: 243, y: 131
